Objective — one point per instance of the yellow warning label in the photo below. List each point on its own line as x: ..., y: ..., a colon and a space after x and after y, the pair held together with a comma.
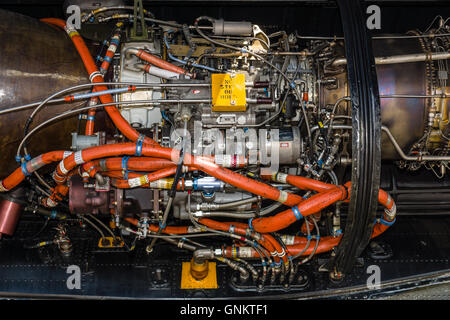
x: 143, y: 180
x: 228, y: 92
x: 189, y: 282
x: 109, y: 242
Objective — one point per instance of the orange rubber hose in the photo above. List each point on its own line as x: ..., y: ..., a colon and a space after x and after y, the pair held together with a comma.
x: 264, y: 241
x: 89, y: 131
x: 312, y: 205
x: 201, y: 163
x: 93, y: 72
x: 18, y: 176
x: 143, y: 55
x: 155, y: 228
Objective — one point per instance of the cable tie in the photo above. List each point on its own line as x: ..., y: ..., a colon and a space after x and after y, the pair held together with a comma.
x: 297, y: 213
x: 387, y: 223
x: 250, y: 223
x: 125, y: 167
x: 23, y: 165
x: 115, y: 42
x: 320, y: 163
x: 162, y: 226
x: 139, y: 143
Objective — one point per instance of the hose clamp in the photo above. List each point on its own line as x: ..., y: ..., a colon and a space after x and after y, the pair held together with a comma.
x: 94, y: 74
x: 283, y: 196
x: 391, y: 213
x: 115, y: 42
x: 62, y: 168
x: 280, y: 177
x: 78, y: 157
x: 2, y: 187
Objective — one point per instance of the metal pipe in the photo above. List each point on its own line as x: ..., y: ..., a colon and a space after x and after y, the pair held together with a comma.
x: 225, y: 214
x: 137, y: 84
x: 395, y: 144
x: 404, y: 58
x: 430, y: 35
x: 412, y: 96
x: 87, y: 85
x: 221, y: 206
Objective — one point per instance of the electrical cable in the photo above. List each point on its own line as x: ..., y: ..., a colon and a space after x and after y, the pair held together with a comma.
x: 316, y: 245
x: 93, y: 225
x: 103, y: 225
x: 39, y: 232
x: 173, y: 189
